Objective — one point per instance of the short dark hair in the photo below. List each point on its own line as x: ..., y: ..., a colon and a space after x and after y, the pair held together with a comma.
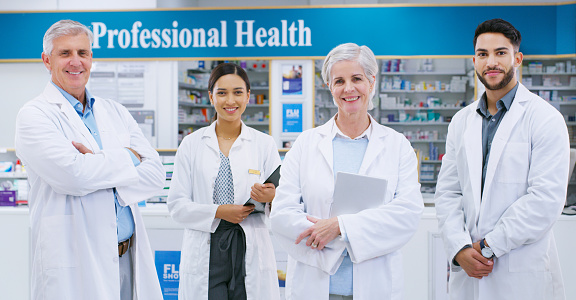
x: 499, y: 26
x: 227, y: 69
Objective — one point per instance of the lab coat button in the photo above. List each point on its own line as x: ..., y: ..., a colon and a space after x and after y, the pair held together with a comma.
x: 115, y: 259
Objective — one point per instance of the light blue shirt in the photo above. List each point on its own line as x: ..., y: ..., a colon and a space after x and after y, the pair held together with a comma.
x: 124, y: 218
x: 348, y: 157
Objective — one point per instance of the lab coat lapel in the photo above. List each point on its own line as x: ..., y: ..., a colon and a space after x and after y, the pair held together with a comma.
x: 473, y: 144
x: 503, y: 134
x: 53, y: 95
x: 325, y: 144
x: 376, y: 146
x: 210, y: 138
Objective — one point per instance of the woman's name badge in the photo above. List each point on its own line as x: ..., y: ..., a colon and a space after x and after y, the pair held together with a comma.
x: 250, y: 171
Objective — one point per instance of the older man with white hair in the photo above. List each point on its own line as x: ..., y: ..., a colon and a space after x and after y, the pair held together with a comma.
x: 89, y: 165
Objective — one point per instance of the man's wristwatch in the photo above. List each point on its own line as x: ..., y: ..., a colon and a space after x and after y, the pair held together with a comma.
x: 486, y: 251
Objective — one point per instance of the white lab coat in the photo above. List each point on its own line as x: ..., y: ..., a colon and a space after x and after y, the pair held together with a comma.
x: 191, y: 203
x: 524, y: 193
x: 72, y: 212
x: 375, y: 235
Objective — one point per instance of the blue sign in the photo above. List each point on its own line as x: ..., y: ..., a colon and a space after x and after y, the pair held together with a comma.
x: 292, y: 117
x: 168, y: 270
x: 293, y: 32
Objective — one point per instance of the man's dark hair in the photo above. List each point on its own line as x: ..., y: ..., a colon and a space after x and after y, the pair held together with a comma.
x: 499, y: 26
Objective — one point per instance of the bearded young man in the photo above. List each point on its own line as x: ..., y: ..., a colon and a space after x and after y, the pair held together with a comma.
x: 503, y: 181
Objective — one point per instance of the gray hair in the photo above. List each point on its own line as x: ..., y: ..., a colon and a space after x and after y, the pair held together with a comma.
x: 63, y: 28
x: 361, y: 54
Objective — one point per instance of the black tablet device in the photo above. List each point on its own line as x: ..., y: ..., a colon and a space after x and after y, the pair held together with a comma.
x: 274, y: 178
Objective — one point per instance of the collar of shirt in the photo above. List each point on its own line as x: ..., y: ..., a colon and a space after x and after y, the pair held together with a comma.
x: 77, y: 104
x: 337, y: 132
x: 505, y: 102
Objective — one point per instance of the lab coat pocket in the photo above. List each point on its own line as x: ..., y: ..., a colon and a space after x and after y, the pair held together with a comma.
x: 514, y: 163
x: 528, y: 258
x: 266, y: 258
x: 191, y: 255
x: 58, y: 243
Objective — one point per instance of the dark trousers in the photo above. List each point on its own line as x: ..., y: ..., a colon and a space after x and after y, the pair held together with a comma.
x: 227, y: 264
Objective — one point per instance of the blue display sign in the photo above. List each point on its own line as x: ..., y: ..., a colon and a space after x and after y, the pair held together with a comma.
x: 292, y: 117
x: 168, y: 270
x: 388, y: 30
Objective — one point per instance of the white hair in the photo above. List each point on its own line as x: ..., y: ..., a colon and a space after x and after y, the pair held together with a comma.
x: 352, y: 52
x: 63, y: 28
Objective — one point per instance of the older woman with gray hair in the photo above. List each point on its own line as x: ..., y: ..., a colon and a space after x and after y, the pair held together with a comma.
x: 355, y: 255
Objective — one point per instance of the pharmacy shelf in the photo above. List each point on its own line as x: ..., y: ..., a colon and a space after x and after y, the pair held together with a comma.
x: 551, y: 88
x: 454, y: 73
x: 426, y: 91
x: 257, y: 105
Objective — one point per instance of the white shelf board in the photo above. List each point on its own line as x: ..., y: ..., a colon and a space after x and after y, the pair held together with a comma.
x: 193, y: 124
x: 189, y: 86
x: 536, y: 74
x: 431, y: 161
x: 417, y: 123
x: 425, y: 92
x: 422, y: 108
x: 256, y: 123
x: 551, y: 88
x: 433, y: 73
x: 427, y: 141
x: 190, y: 104
x: 13, y: 175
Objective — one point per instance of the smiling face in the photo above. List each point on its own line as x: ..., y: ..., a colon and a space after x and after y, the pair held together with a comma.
x: 70, y: 63
x: 350, y: 87
x: 496, y: 61
x: 229, y: 98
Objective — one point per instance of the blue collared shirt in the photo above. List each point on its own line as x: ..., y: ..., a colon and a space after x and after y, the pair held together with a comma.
x: 348, y: 157
x: 490, y: 124
x: 124, y: 218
